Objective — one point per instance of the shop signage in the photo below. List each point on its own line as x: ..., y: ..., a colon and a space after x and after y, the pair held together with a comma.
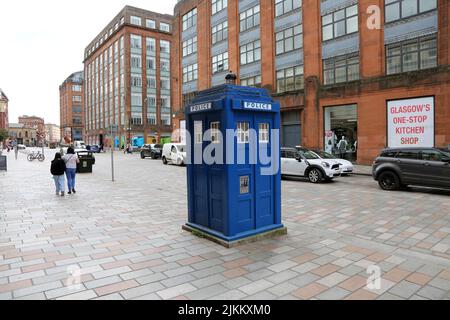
x: 410, y: 122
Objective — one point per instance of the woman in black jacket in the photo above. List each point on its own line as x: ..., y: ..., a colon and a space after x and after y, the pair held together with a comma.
x: 57, y: 169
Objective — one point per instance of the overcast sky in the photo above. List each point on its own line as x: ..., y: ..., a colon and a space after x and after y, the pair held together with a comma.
x: 42, y: 43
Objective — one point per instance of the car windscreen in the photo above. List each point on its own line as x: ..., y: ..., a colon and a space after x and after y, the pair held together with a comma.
x: 325, y: 155
x: 308, y: 155
x: 445, y: 152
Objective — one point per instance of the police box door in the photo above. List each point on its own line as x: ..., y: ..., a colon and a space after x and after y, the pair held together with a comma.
x: 265, y: 171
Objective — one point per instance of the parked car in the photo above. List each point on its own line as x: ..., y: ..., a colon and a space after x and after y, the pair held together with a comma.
x: 345, y: 165
x: 305, y: 163
x: 174, y: 153
x: 94, y: 148
x: 21, y: 147
x: 154, y: 151
x: 398, y: 168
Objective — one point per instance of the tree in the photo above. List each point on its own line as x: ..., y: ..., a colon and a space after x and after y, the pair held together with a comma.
x: 3, y: 135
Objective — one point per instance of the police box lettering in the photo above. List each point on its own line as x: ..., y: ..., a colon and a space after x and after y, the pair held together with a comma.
x: 257, y: 106
x: 201, y: 107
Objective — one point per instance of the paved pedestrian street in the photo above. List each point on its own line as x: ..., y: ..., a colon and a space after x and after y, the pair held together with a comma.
x: 126, y: 242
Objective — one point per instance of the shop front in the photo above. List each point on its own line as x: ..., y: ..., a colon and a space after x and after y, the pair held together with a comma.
x: 341, y: 131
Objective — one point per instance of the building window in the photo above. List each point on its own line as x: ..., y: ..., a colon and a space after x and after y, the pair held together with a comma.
x: 190, y: 19
x: 250, y: 52
x: 122, y: 20
x: 135, y: 20
x: 411, y: 55
x: 340, y: 23
x: 264, y: 133
x: 218, y: 5
x: 165, y: 110
x: 251, y: 81
x: 151, y: 82
x: 151, y: 110
x: 76, y: 109
x: 341, y: 69
x: 151, y: 63
x: 190, y: 73
x: 401, y: 9
x: 190, y: 46
x: 76, y: 99
x: 249, y: 18
x: 285, y: 6
x: 219, y: 32
x: 243, y: 132
x: 165, y: 83
x: 76, y: 88
x: 164, y: 46
x: 136, y: 81
x: 150, y: 24
x: 151, y: 44
x: 290, y: 79
x: 165, y: 65
x: 188, y: 98
x: 164, y: 27
x: 289, y: 39
x: 136, y: 42
x: 136, y: 61
x: 220, y: 62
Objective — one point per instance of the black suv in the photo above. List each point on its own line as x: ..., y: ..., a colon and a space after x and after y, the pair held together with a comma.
x: 153, y: 151
x: 398, y: 168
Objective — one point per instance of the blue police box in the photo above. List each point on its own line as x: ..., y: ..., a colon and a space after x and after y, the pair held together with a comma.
x: 234, y: 196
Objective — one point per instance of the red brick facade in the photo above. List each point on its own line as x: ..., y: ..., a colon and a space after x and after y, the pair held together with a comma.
x: 370, y: 93
x: 71, y: 109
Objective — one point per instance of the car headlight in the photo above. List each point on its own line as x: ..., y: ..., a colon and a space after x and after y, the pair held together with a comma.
x: 326, y: 164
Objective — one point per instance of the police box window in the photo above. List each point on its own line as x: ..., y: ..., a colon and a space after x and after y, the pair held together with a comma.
x: 243, y: 132
x: 198, y: 132
x: 264, y: 133
x: 215, y: 132
x: 244, y: 184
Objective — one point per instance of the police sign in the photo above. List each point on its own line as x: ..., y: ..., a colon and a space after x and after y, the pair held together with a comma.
x: 257, y: 106
x: 201, y: 107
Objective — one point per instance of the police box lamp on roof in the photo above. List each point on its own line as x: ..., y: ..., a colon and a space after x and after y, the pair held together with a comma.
x: 231, y: 78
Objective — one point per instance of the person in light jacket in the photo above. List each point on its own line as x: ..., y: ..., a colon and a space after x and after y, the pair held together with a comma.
x: 71, y: 160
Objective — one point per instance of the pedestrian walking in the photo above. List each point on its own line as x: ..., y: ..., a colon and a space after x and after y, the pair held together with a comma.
x: 16, y: 148
x: 342, y: 147
x: 71, y: 160
x: 57, y: 169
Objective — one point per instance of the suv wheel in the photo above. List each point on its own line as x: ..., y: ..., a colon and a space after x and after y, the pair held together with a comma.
x: 142, y: 155
x: 164, y: 160
x: 315, y: 176
x: 389, y: 181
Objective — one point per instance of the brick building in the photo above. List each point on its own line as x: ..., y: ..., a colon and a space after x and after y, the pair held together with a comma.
x: 375, y: 72
x: 71, y: 97
x: 3, y: 110
x: 128, y: 79
x: 23, y: 134
x: 37, y: 123
x: 52, y: 133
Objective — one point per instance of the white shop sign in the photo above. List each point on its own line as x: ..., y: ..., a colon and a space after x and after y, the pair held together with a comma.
x: 410, y: 122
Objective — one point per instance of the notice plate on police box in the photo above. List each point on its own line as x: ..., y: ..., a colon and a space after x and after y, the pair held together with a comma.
x: 257, y: 106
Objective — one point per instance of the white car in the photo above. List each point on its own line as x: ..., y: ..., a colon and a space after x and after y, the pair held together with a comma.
x: 305, y: 163
x: 346, y: 166
x: 174, y: 153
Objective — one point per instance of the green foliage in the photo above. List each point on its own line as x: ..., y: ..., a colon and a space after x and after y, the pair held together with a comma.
x: 3, y: 135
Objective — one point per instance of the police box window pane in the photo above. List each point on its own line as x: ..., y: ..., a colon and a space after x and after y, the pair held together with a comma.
x: 198, y: 132
x: 264, y: 133
x: 243, y: 132
x: 244, y: 184
x: 215, y: 132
